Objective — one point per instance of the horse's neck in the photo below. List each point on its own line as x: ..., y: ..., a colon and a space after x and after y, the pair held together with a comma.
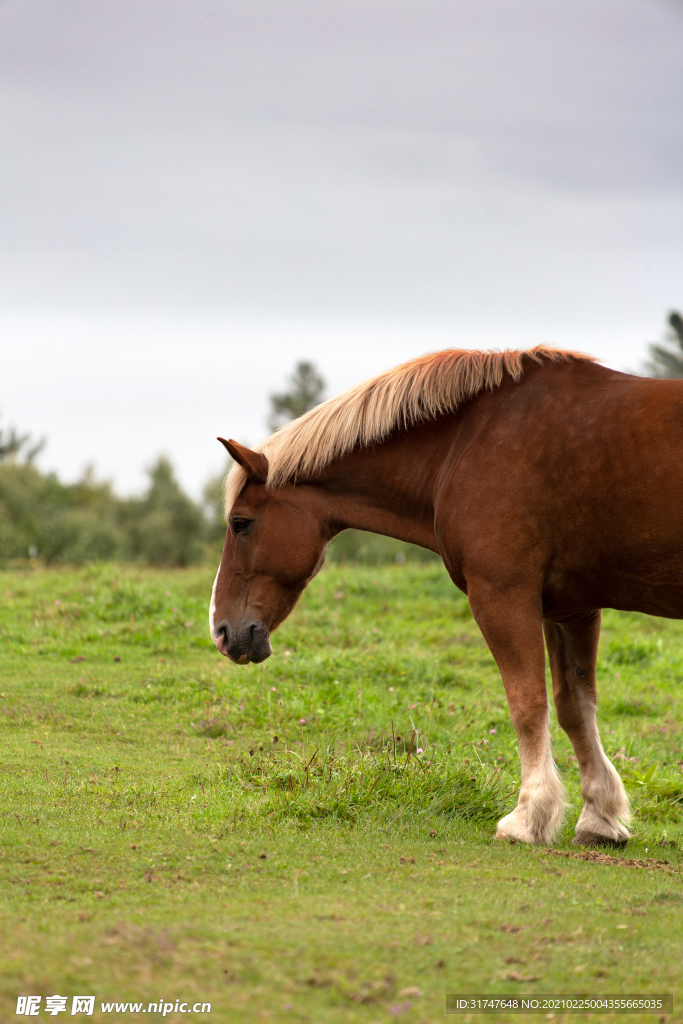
x: 387, y: 489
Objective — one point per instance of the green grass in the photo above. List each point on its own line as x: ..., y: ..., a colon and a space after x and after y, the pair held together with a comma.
x: 268, y: 839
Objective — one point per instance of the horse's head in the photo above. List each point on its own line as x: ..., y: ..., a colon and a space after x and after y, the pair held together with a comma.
x: 273, y: 548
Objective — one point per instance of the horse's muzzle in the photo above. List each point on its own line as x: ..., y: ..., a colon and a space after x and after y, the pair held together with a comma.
x: 249, y: 643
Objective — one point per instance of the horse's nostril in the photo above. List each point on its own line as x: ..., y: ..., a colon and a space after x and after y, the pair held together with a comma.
x: 222, y: 637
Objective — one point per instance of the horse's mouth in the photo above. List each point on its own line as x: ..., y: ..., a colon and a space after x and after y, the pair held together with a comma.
x: 259, y: 647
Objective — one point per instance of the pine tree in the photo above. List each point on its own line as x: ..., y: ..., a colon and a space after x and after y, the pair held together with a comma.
x: 306, y: 388
x: 667, y: 360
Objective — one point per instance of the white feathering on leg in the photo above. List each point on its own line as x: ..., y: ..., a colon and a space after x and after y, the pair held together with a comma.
x: 540, y: 808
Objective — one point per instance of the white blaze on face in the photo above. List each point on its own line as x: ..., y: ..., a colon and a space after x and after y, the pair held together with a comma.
x: 212, y: 608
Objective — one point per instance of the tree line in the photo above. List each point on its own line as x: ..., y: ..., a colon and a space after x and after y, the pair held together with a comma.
x: 42, y: 517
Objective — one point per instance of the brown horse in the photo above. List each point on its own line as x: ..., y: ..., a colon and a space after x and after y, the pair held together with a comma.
x: 550, y: 486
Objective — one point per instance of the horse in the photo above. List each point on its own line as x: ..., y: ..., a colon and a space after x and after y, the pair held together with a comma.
x: 551, y: 487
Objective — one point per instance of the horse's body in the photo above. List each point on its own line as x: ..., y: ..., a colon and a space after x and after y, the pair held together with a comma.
x: 549, y: 495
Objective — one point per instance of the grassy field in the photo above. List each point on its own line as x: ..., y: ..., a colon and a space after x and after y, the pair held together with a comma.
x: 267, y: 839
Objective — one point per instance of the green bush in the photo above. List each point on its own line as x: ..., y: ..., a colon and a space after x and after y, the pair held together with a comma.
x: 87, y: 522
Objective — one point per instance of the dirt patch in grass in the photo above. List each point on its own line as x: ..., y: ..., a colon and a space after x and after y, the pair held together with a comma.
x: 596, y: 857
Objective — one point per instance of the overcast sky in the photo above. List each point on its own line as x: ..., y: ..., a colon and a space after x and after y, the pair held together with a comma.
x: 194, y: 194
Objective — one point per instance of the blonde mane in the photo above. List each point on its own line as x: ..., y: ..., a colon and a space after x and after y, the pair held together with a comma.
x: 423, y: 389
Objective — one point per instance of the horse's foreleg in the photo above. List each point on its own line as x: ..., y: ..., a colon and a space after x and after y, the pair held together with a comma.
x: 573, y: 651
x: 511, y: 624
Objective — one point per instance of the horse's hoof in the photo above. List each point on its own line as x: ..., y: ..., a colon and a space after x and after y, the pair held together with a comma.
x: 504, y: 837
x: 594, y: 839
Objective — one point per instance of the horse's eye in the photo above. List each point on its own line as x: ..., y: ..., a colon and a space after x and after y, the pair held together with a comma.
x: 240, y: 525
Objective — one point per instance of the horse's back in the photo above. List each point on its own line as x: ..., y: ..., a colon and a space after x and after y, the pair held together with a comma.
x: 573, y: 475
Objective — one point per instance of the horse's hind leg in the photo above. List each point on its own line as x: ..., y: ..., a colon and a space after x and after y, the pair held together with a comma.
x: 511, y: 624
x: 573, y: 651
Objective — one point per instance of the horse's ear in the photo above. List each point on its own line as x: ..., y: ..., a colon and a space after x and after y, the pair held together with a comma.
x: 254, y: 464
